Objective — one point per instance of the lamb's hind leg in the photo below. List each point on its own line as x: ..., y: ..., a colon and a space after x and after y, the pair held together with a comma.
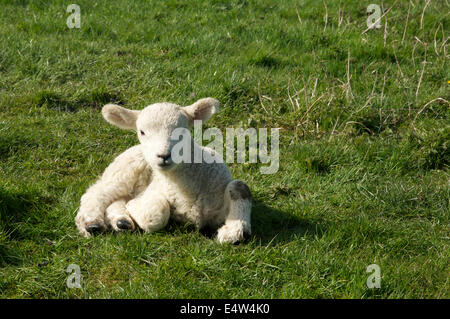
x: 238, y: 199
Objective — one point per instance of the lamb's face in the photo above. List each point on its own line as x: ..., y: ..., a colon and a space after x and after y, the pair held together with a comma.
x: 156, y: 123
x: 154, y: 127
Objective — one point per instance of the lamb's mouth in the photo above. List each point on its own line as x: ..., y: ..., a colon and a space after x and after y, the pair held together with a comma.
x: 164, y: 166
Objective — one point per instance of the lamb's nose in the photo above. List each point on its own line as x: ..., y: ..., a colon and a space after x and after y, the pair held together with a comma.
x: 164, y: 157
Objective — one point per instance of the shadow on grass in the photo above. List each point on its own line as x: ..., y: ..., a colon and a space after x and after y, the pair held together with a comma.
x: 15, y: 207
x: 272, y: 226
x: 269, y: 226
x: 94, y: 98
x: 12, y: 206
x: 19, y: 212
x: 9, y: 256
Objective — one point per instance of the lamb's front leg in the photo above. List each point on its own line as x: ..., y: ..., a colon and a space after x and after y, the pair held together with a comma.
x: 151, y: 210
x: 117, y: 216
x: 117, y: 182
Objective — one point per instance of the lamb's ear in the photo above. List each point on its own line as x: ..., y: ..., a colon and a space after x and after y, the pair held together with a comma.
x: 203, y: 109
x: 120, y: 116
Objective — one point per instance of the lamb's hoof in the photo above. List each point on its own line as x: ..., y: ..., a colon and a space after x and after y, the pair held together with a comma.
x: 94, y: 229
x: 124, y: 224
x: 232, y: 232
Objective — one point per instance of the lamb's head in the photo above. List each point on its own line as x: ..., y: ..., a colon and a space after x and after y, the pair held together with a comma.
x: 155, y: 124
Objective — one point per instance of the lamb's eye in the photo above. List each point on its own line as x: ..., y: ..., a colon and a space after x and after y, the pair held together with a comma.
x: 142, y: 132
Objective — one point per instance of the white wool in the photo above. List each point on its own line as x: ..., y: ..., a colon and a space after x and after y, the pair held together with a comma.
x: 137, y: 188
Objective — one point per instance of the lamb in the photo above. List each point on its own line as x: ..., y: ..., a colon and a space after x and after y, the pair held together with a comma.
x: 144, y: 186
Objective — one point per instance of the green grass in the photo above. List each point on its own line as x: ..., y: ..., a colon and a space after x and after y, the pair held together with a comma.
x: 364, y: 156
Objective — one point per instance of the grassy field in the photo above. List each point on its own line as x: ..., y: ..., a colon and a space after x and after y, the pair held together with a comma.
x: 364, y: 155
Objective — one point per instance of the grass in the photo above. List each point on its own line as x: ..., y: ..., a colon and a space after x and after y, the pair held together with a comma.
x: 364, y: 152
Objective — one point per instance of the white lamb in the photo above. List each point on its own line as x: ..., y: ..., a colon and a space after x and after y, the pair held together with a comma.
x: 144, y: 187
